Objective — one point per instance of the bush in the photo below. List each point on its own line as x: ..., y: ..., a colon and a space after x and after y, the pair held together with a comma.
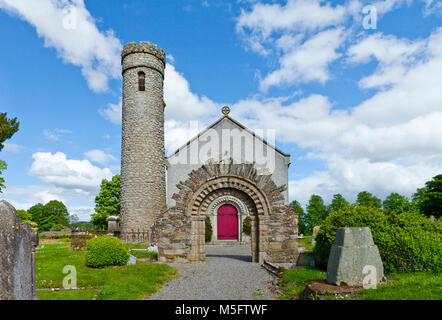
x: 247, y: 226
x: 209, y: 230
x: 406, y: 241
x: 106, y: 251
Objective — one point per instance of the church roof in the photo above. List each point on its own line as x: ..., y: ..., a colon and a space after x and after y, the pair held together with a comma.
x: 226, y: 116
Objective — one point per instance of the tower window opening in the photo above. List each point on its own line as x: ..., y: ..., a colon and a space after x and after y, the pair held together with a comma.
x: 141, y: 81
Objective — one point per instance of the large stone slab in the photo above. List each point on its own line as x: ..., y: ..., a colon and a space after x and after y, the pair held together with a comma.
x: 17, y: 256
x: 353, y: 258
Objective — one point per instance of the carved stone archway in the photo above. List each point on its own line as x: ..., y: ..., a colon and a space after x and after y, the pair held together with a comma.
x: 274, y: 225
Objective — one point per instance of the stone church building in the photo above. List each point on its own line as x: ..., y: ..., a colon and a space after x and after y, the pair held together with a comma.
x: 226, y: 173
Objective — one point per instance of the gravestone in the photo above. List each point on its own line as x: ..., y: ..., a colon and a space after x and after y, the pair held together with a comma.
x: 113, y: 224
x: 314, y: 234
x: 354, y: 259
x: 17, y: 256
x: 79, y: 238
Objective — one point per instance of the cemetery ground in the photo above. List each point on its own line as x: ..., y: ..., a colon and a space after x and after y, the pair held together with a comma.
x: 401, y: 286
x: 133, y: 282
x: 143, y: 279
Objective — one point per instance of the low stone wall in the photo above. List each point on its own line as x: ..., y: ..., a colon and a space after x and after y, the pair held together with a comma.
x: 281, y: 239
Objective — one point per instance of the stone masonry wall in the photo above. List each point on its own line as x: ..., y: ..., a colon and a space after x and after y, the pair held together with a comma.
x: 143, y: 189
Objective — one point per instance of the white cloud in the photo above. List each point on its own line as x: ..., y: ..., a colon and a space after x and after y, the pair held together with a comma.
x: 67, y: 26
x: 76, y: 200
x: 432, y: 6
x: 178, y: 133
x: 48, y: 134
x: 295, y: 15
x: 12, y: 147
x: 99, y: 156
x: 113, y: 112
x: 395, y: 57
x: 309, y: 61
x: 54, y: 135
x: 182, y: 103
x: 349, y: 177
x: 82, y: 212
x: 61, y: 172
x: 389, y: 142
x: 413, y: 93
x: 183, y: 107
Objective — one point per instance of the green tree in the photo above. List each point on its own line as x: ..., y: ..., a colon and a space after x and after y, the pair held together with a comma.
x: 3, y: 166
x: 337, y: 203
x: 397, y: 203
x: 429, y: 198
x: 316, y: 213
x: 368, y: 200
x: 107, y: 203
x: 24, y: 216
x: 7, y: 128
x: 297, y: 208
x: 36, y: 212
x: 55, y: 217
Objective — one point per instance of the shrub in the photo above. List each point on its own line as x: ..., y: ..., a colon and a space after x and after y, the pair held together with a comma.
x: 247, y: 226
x: 406, y: 241
x: 106, y: 251
x: 209, y: 230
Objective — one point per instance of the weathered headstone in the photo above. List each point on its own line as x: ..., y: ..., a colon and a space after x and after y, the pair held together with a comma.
x: 113, y: 224
x: 79, y: 238
x: 354, y: 259
x: 314, y: 234
x: 17, y: 256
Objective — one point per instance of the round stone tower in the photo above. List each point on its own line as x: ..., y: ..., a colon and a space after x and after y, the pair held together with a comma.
x: 143, y: 184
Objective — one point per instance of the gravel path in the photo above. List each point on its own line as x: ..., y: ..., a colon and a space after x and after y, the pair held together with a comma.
x: 227, y: 274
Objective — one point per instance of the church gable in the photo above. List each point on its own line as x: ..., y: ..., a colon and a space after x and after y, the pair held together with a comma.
x: 226, y: 125
x: 245, y: 147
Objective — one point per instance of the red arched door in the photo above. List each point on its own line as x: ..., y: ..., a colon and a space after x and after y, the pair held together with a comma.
x: 227, y: 222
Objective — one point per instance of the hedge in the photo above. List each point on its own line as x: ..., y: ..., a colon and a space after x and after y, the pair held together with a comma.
x: 406, y: 241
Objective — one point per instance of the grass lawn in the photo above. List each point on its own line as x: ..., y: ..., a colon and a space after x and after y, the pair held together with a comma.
x: 112, y: 283
x: 295, y: 280
x: 141, y: 254
x: 306, y: 242
x: 408, y: 286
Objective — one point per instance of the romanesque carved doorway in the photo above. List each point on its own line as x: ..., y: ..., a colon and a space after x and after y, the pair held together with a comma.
x: 227, y: 222
x: 273, y: 225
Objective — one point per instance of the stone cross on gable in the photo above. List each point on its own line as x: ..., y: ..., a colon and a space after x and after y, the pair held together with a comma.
x: 225, y: 110
x: 17, y: 256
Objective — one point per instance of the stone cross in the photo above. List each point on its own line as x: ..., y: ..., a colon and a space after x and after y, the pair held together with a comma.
x: 17, y: 256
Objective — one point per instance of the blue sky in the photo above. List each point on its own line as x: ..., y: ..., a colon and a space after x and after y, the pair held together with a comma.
x: 357, y: 108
